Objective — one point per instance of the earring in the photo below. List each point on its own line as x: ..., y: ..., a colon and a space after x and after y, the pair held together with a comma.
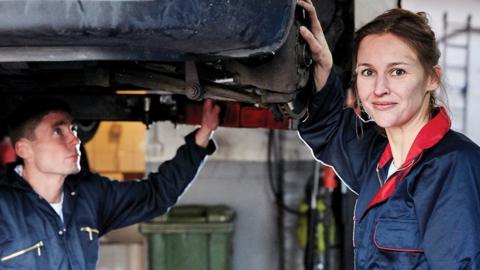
x: 362, y: 114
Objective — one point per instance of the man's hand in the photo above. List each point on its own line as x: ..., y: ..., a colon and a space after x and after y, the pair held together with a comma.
x: 210, y: 122
x: 315, y: 39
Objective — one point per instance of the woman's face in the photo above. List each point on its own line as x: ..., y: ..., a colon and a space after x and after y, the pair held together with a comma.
x: 391, y: 82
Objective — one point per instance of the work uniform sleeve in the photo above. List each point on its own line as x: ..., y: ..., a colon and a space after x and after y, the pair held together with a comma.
x: 130, y: 202
x: 336, y: 137
x: 451, y: 237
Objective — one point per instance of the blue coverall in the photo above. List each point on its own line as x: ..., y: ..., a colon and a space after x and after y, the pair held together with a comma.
x: 426, y: 215
x: 32, y: 235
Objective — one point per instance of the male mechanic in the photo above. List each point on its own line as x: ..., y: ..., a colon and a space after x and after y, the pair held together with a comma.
x: 52, y: 214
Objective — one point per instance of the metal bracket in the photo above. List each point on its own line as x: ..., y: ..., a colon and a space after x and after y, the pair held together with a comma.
x: 193, y: 89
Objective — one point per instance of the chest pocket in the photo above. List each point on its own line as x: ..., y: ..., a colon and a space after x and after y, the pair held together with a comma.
x: 397, y: 235
x: 90, y: 233
x: 90, y: 243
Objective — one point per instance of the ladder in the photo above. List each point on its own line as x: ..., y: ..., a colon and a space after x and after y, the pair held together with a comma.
x: 456, y: 62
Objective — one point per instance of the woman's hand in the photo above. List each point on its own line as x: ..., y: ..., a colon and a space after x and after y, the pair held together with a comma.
x: 319, y: 50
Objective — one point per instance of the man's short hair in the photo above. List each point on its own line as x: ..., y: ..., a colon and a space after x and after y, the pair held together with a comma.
x: 23, y: 120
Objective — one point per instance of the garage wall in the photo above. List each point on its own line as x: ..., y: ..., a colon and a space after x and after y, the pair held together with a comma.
x: 236, y: 175
x: 236, y: 144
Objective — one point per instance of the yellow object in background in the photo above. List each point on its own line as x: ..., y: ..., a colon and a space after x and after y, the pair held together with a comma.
x: 302, y: 227
x: 117, y: 148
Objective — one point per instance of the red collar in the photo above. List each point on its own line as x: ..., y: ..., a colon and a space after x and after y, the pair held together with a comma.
x: 428, y: 136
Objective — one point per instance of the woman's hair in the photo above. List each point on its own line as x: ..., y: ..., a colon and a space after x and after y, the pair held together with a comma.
x: 414, y: 30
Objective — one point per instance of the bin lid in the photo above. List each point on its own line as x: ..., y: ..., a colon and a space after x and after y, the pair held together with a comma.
x: 197, y: 214
x: 192, y: 219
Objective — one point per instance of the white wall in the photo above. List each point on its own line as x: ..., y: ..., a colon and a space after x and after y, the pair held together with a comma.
x: 239, y: 144
x: 367, y: 10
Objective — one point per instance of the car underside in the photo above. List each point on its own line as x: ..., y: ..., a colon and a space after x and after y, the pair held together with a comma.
x: 154, y: 60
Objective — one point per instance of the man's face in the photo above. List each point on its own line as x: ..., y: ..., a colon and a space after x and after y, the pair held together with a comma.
x: 56, y: 147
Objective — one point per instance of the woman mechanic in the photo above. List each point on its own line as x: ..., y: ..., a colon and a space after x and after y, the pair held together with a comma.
x: 417, y: 181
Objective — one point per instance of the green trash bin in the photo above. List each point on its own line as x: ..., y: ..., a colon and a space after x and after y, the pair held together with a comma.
x: 191, y: 237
